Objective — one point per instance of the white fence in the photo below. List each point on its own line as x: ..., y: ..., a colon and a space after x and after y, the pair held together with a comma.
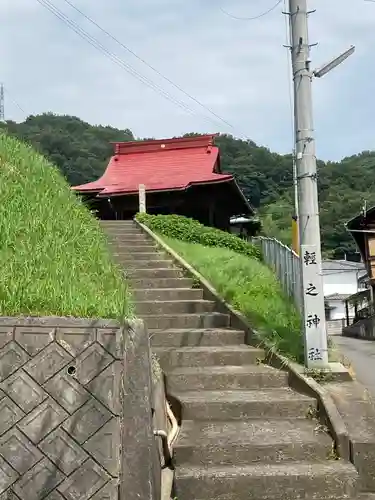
x: 286, y: 265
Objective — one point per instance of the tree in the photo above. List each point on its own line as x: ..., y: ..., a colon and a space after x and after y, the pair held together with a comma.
x: 81, y: 151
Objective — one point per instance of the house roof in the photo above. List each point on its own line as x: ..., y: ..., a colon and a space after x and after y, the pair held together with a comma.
x: 361, y: 222
x: 357, y: 221
x: 363, y: 277
x: 161, y: 165
x: 359, y: 296
x: 333, y: 266
x: 337, y: 296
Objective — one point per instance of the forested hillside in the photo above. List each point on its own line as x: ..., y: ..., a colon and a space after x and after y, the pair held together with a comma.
x: 81, y: 151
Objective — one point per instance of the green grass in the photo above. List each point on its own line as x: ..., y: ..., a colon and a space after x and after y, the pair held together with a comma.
x: 53, y: 254
x: 252, y: 289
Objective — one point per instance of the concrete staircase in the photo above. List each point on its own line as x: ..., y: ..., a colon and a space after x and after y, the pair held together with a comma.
x: 245, y: 435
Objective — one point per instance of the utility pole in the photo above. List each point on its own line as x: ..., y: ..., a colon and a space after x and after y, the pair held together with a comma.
x: 315, y: 337
x: 2, y: 99
x: 314, y: 324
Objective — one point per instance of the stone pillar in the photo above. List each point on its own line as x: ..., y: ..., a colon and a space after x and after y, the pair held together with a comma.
x: 140, y: 472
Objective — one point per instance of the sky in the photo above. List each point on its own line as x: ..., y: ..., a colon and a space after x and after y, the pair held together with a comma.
x: 239, y: 69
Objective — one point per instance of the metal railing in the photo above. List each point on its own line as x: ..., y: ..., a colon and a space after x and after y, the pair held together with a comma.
x: 286, y: 265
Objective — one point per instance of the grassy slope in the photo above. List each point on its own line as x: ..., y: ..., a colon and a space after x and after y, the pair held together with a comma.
x: 252, y: 289
x: 53, y: 253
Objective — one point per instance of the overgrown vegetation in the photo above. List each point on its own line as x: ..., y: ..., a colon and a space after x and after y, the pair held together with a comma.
x: 251, y: 288
x: 320, y: 376
x: 54, y: 258
x: 192, y: 231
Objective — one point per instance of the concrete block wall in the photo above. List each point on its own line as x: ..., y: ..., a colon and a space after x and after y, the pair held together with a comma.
x: 75, y: 410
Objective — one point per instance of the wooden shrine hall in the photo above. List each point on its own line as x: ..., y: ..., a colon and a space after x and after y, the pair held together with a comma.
x: 181, y: 176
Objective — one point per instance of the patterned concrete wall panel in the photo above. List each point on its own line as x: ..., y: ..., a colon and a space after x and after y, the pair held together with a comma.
x: 60, y: 409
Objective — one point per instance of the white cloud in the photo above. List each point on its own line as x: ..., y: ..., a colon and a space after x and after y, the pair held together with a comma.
x: 239, y: 69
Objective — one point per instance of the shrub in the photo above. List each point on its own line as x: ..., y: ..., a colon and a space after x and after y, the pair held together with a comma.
x: 192, y: 231
x: 252, y: 289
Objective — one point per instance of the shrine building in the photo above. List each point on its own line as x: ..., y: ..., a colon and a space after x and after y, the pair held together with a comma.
x: 181, y: 176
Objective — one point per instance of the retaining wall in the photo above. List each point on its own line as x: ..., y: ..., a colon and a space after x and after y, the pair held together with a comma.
x: 75, y: 411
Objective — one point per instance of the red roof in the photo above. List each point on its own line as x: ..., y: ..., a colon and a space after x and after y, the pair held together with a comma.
x: 161, y: 165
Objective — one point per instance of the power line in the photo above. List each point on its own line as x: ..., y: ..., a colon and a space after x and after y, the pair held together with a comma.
x: 96, y: 44
x: 14, y: 101
x: 254, y: 18
x: 178, y: 87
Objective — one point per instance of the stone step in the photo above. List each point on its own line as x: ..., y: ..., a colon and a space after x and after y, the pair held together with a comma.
x: 252, y: 441
x: 130, y: 224
x: 123, y: 228
x: 130, y: 236
x: 123, y: 222
x: 145, y: 264
x: 166, y: 272
x: 174, y: 306
x: 127, y: 243
x: 139, y: 256
x: 330, y: 480
x: 120, y: 230
x: 161, y: 283
x: 230, y: 378
x: 205, y: 320
x: 168, y: 294
x: 200, y: 337
x: 234, y: 355
x: 132, y: 249
x: 244, y: 405
x: 119, y: 224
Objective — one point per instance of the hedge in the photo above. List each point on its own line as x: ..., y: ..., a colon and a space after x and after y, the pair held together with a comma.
x: 192, y: 231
